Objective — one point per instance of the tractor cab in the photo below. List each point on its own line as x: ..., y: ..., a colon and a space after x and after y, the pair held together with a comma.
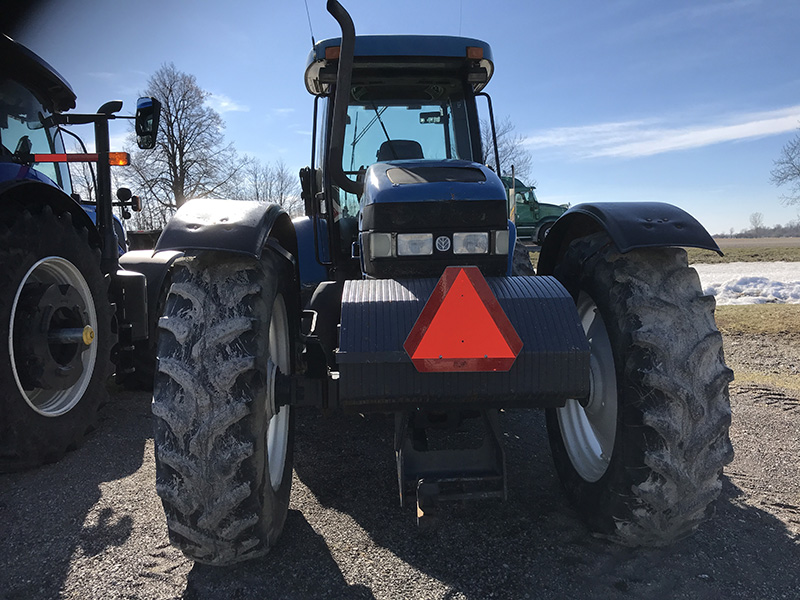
x: 31, y: 91
x: 400, y: 187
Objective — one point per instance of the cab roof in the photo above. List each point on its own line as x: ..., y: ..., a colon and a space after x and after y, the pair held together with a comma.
x: 29, y: 69
x: 443, y: 54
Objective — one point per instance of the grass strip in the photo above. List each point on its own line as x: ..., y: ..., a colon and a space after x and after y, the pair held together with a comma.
x: 757, y: 319
x: 786, y: 381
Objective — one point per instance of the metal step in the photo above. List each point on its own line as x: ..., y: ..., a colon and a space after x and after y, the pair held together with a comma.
x: 431, y: 476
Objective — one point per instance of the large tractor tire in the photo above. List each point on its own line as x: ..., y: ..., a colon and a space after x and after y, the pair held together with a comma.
x: 641, y: 459
x: 55, y: 325
x: 224, y: 451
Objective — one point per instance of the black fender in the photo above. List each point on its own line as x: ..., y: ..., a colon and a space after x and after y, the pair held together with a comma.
x: 28, y: 193
x: 240, y: 227
x: 630, y: 225
x: 228, y: 225
x: 155, y: 267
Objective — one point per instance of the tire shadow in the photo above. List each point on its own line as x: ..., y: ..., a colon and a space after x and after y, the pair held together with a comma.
x: 300, y: 566
x: 50, y: 514
x: 534, y: 545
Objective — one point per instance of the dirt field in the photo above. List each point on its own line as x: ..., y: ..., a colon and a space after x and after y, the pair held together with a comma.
x: 91, y: 526
x: 749, y: 250
x: 784, y: 242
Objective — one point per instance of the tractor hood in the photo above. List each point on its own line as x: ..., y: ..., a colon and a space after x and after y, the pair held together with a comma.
x: 438, y: 203
x: 430, y: 180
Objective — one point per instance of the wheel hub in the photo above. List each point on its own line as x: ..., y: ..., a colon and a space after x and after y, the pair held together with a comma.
x: 588, y: 427
x: 51, y: 331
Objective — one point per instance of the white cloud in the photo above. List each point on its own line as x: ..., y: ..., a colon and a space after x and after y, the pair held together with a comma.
x: 630, y: 139
x: 104, y: 75
x: 222, y: 104
x: 667, y: 22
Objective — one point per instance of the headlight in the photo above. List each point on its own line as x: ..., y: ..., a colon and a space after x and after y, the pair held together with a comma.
x: 380, y: 245
x: 414, y: 244
x: 501, y: 241
x: 471, y: 243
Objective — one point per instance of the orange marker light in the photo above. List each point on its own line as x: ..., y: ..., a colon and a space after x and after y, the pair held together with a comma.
x: 332, y: 52
x: 474, y: 53
x: 119, y: 159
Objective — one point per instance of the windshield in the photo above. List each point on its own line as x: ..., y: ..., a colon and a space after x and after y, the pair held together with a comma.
x: 527, y: 196
x: 380, y: 132
x: 428, y: 121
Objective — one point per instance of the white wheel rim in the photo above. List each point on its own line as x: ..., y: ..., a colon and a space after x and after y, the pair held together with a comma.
x: 52, y: 403
x: 278, y: 429
x: 589, y: 432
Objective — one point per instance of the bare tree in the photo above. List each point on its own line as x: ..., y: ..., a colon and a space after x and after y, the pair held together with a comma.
x: 267, y: 182
x: 191, y: 158
x: 786, y: 171
x: 757, y: 223
x: 258, y: 180
x: 286, y: 187
x: 510, y: 147
x: 83, y: 181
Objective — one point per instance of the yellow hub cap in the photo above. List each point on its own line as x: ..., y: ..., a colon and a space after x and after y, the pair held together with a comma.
x: 88, y: 335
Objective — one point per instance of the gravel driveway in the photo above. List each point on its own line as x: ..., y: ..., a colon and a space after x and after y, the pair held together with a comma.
x: 91, y: 526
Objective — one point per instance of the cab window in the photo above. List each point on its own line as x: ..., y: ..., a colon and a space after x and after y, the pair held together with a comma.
x: 22, y: 128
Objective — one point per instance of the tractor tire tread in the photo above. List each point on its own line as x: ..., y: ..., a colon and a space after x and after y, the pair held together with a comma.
x: 203, y: 402
x: 675, y: 366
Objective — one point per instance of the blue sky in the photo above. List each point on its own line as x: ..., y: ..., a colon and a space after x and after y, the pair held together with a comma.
x: 681, y: 102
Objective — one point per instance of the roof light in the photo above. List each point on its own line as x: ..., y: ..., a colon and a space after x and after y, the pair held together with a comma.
x: 332, y: 52
x: 474, y: 53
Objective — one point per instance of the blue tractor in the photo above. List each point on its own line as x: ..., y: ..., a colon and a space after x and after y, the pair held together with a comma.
x: 395, y: 294
x: 67, y: 309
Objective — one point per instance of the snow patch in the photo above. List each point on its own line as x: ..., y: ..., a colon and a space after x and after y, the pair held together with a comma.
x: 751, y: 283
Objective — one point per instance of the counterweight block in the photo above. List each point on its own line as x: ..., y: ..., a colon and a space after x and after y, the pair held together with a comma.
x: 375, y: 371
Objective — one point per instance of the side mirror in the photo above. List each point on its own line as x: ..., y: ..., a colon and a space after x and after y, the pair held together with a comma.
x: 148, y: 113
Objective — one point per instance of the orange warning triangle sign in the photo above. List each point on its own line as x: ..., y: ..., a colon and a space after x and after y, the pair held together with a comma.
x: 462, y: 327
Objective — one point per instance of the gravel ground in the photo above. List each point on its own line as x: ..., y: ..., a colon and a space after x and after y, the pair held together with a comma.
x: 91, y: 526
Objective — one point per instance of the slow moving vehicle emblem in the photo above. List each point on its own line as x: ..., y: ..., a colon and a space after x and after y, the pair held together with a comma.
x: 462, y: 327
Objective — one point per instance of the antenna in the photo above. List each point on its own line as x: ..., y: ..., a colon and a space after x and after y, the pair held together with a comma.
x: 311, y: 29
x: 460, y: 14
